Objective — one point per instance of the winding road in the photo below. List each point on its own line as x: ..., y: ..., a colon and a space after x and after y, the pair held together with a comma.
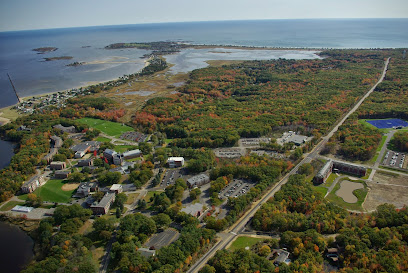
x: 239, y: 226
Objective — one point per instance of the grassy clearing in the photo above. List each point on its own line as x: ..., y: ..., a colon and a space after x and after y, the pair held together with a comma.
x: 108, y: 127
x: 377, y: 153
x: 103, y: 139
x: 124, y: 148
x: 244, y: 241
x: 86, y: 227
x: 321, y: 189
x: 52, y: 192
x: 131, y: 198
x: 330, y: 179
x: 360, y: 194
x: 367, y: 174
x: 97, y: 254
x: 150, y: 194
x: 11, y: 204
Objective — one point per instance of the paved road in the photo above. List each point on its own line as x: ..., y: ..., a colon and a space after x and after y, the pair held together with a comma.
x: 380, y: 156
x: 226, y: 238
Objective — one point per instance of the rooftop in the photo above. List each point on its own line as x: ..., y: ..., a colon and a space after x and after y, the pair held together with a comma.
x: 198, y: 178
x: 107, y: 198
x: 115, y: 187
x: 175, y: 158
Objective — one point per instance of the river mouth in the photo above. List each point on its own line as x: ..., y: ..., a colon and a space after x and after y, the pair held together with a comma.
x: 16, y: 248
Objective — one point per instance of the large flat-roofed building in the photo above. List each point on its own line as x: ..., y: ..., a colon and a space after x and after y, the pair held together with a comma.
x: 198, y: 180
x: 116, y: 188
x: 85, y: 189
x: 85, y: 162
x: 34, y: 183
x: 131, y: 154
x: 175, y: 162
x: 48, y: 157
x: 56, y: 141
x: 331, y: 166
x: 81, y: 149
x: 108, y: 154
x: 69, y: 129
x: 103, y: 206
x: 62, y: 174
x: 57, y: 165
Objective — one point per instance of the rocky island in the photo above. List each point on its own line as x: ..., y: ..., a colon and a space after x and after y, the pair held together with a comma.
x: 58, y: 58
x: 42, y: 50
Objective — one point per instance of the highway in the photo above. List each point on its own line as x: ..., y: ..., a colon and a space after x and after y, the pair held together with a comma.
x: 238, y: 227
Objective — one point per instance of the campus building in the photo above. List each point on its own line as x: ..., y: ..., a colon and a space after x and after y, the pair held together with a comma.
x: 32, y: 184
x: 103, y: 206
x: 198, y: 180
x: 57, y: 165
x: 338, y: 166
x: 70, y: 129
x: 175, y: 162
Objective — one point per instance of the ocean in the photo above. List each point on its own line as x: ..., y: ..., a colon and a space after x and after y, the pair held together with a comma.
x: 32, y: 75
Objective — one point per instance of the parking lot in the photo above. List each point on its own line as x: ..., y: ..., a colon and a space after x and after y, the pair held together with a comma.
x: 171, y: 176
x: 163, y: 238
x: 237, y: 188
x: 395, y: 160
x: 229, y: 152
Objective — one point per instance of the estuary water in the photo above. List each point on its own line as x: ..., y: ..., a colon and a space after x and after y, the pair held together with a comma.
x: 7, y: 152
x: 32, y: 75
x: 16, y: 248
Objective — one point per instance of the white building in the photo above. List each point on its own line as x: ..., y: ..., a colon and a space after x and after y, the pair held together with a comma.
x: 175, y: 162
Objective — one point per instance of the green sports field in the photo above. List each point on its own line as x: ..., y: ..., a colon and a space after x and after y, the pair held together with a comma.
x: 52, y: 192
x: 108, y: 127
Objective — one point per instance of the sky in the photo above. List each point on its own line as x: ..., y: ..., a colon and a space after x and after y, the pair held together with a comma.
x: 44, y: 14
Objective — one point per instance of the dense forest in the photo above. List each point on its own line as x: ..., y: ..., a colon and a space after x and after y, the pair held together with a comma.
x: 376, y: 242
x: 390, y: 99
x: 297, y: 207
x: 219, y: 105
x: 400, y: 141
x: 356, y: 141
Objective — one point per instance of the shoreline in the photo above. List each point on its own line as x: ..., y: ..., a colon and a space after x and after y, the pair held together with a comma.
x: 5, y: 120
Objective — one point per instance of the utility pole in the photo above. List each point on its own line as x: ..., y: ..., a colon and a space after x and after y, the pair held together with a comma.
x: 15, y: 91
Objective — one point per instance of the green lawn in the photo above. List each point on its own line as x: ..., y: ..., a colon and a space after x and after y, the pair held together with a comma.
x: 124, y: 148
x: 377, y: 153
x: 360, y: 194
x: 321, y: 189
x: 108, y: 127
x: 103, y: 139
x: 244, y: 241
x: 52, y: 192
x: 10, y: 205
x: 330, y: 179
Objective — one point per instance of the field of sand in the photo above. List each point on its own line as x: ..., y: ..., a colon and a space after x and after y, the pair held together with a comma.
x: 69, y: 186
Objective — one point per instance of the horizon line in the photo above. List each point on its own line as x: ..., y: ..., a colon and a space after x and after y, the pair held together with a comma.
x: 201, y: 21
